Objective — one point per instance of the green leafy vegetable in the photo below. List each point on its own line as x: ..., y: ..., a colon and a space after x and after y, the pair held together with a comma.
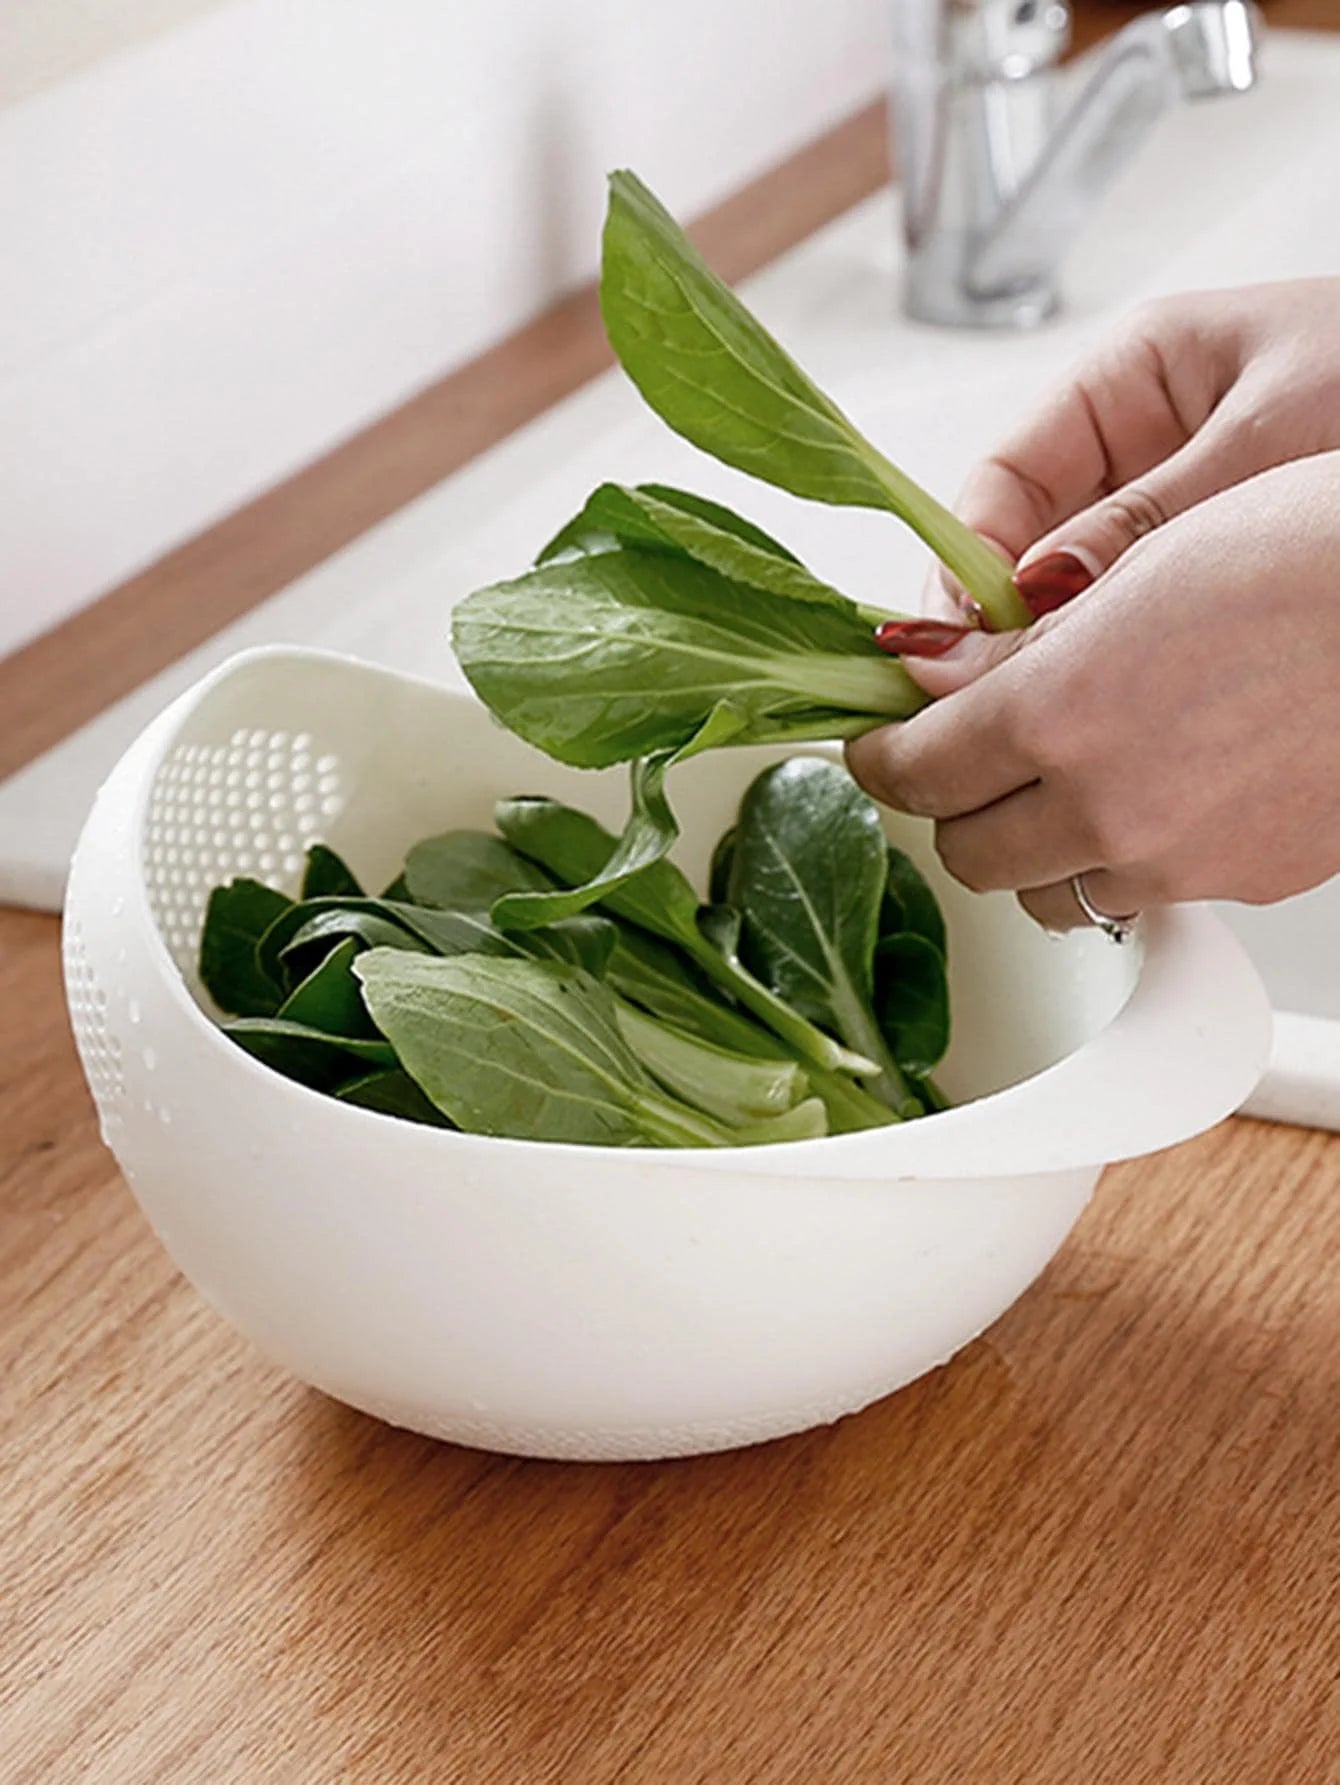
x: 654, y: 967
x: 912, y: 1001
x: 307, y: 933
x: 530, y: 1049
x: 326, y: 875
x: 305, y: 930
x: 646, y: 839
x: 909, y: 903
x: 574, y: 849
x: 737, y: 1088
x: 309, y: 1055
x: 660, y: 980
x: 807, y: 1121
x: 655, y: 518
x: 468, y: 871
x: 236, y: 918
x: 615, y: 515
x: 714, y: 374
x: 483, y: 989
x: 664, y: 983
x: 394, y: 1093
x: 808, y: 877
x: 603, y: 658
x: 719, y: 870
x: 329, y: 998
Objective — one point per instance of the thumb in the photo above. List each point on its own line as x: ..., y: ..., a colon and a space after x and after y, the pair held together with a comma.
x: 942, y: 658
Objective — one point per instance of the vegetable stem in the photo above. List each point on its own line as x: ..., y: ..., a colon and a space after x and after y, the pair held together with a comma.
x: 983, y: 574
x: 859, y: 1029
x: 810, y: 1043
x: 732, y: 1087
x: 862, y: 684
x: 668, y: 1123
x: 850, y: 1106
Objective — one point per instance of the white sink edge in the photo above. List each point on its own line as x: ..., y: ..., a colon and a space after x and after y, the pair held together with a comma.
x: 1302, y: 1082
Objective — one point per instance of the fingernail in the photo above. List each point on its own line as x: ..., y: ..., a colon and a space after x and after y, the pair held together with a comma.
x: 920, y: 638
x: 1055, y: 579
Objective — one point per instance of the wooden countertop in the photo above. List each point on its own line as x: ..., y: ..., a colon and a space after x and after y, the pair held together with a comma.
x: 1100, y: 1546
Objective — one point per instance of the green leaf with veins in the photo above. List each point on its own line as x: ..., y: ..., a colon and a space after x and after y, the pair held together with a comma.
x: 808, y: 879
x: 236, y: 918
x: 736, y: 1088
x: 660, y: 980
x: 309, y: 934
x: 655, y: 518
x: 305, y: 934
x: 713, y: 372
x: 647, y: 838
x: 309, y: 1055
x: 606, y: 519
x: 393, y: 1092
x: 624, y: 653
x: 465, y: 870
x: 530, y: 1049
x: 329, y: 997
x: 912, y: 1001
x: 574, y: 849
x: 909, y: 903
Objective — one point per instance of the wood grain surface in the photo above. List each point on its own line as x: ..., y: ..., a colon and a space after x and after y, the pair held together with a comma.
x: 1100, y: 1546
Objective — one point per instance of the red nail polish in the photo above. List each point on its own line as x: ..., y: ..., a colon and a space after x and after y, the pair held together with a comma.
x: 1052, y: 582
x: 919, y: 638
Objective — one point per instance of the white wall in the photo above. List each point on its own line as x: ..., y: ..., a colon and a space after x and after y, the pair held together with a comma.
x: 45, y: 41
x: 226, y: 247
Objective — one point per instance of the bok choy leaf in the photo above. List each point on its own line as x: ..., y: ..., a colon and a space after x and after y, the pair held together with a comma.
x: 713, y: 373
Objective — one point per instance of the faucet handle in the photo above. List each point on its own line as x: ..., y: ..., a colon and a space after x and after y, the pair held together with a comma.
x: 998, y: 40
x: 1213, y: 47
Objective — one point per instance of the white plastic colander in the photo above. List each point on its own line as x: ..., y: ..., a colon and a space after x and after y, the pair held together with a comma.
x: 580, y: 1301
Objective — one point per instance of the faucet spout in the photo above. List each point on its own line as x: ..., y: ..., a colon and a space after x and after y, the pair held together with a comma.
x: 996, y: 185
x: 1199, y: 51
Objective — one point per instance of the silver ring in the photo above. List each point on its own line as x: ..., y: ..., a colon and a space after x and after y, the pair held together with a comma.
x: 1116, y: 929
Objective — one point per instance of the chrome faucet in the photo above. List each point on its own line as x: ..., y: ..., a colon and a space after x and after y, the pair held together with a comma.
x: 998, y: 172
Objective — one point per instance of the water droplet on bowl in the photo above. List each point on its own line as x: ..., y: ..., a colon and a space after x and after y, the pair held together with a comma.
x: 133, y: 1009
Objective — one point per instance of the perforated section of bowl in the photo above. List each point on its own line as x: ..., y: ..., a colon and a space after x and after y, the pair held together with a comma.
x: 99, y: 1047
x: 249, y: 806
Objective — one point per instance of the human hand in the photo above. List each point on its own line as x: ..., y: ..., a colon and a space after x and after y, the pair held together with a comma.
x: 1195, y: 394
x: 1171, y: 735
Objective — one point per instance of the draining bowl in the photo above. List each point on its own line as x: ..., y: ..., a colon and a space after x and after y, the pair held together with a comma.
x: 590, y: 1302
